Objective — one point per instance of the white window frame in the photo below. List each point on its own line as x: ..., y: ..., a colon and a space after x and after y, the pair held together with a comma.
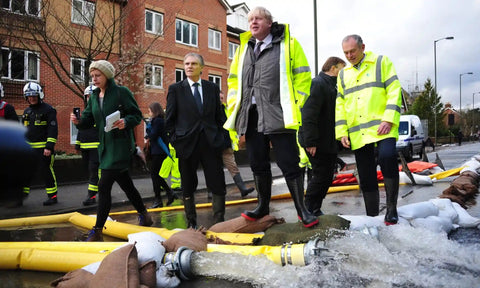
x: 193, y: 33
x: 81, y: 77
x: 215, y: 79
x: 27, y: 6
x: 85, y: 16
x: 214, y: 39
x: 26, y: 64
x: 151, y: 76
x: 232, y: 47
x: 182, y: 75
x: 157, y: 22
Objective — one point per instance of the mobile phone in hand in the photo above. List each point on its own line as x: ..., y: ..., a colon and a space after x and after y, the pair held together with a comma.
x: 76, y: 111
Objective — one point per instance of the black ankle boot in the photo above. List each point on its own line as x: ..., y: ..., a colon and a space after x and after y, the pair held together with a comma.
x: 52, y: 199
x: 372, y: 201
x: 95, y: 235
x: 190, y: 212
x: 263, y: 184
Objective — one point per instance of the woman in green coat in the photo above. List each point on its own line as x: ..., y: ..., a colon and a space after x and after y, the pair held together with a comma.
x: 116, y: 146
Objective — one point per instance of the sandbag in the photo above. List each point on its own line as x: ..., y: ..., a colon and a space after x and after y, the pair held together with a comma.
x: 417, y: 210
x: 464, y: 219
x: 445, y: 209
x: 190, y: 238
x: 328, y: 226
x: 242, y: 225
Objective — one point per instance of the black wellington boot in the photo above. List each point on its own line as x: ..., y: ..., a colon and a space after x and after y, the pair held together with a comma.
x: 218, y: 206
x: 295, y: 186
x: 263, y: 184
x: 372, y: 201
x: 391, y: 190
x: 241, y: 185
x: 190, y: 212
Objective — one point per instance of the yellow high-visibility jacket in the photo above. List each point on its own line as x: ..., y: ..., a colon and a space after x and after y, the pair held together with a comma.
x: 294, y: 83
x: 366, y: 97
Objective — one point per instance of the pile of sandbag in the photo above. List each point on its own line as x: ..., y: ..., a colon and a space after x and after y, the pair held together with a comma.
x: 464, y: 188
x: 439, y: 215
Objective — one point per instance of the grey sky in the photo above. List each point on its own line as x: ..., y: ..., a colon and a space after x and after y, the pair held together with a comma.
x: 403, y: 30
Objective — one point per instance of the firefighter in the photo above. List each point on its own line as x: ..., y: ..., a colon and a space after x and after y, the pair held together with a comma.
x: 40, y: 119
x: 87, y: 143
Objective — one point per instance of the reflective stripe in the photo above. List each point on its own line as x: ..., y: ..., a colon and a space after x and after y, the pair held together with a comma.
x: 41, y: 123
x: 341, y: 122
x: 92, y: 187
x: 302, y: 93
x: 363, y: 86
x: 301, y: 69
x: 91, y: 145
x: 393, y: 107
x: 364, y: 126
x: 390, y: 81
x: 340, y: 95
x: 378, y: 70
x: 52, y: 140
x: 378, y: 83
x: 37, y: 144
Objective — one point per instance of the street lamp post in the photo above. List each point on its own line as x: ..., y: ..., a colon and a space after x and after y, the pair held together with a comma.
x: 467, y: 73
x: 435, y: 87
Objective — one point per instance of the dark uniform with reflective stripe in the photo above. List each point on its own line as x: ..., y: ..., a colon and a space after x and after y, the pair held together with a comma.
x: 87, y: 142
x: 42, y: 131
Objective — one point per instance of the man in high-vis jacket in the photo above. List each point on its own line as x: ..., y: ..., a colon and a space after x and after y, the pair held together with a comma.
x: 268, y: 83
x: 367, y: 115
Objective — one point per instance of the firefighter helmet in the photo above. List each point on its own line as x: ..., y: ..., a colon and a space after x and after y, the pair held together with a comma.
x: 89, y: 90
x: 33, y: 89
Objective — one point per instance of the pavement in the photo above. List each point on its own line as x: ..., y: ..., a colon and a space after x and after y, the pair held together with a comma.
x: 70, y: 196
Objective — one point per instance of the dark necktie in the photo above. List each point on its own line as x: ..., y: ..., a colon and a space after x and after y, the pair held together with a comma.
x: 257, y: 49
x: 198, y: 98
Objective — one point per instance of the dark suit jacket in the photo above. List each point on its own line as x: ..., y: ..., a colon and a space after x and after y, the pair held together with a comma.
x: 184, y: 121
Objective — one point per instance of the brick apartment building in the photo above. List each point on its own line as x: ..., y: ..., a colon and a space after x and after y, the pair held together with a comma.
x: 146, y: 41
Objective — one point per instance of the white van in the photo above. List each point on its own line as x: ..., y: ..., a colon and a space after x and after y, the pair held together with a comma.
x: 411, y: 136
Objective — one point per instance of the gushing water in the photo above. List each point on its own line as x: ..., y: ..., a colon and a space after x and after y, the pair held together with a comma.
x: 402, y: 256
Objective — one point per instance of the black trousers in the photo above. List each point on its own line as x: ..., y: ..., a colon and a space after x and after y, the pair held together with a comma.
x: 122, y: 177
x: 323, y: 165
x: 45, y: 168
x: 367, y: 164
x: 258, y: 148
x: 157, y: 181
x: 90, y: 160
x: 211, y: 160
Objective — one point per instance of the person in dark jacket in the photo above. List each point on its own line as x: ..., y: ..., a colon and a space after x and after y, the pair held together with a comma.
x: 156, y: 131
x: 317, y: 133
x: 42, y: 131
x: 87, y: 143
x: 116, y: 146
x: 7, y: 111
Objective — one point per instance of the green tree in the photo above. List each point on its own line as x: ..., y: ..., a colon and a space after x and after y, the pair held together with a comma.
x: 427, y: 105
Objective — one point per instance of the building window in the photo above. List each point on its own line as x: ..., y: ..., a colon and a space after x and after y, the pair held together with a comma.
x: 30, y: 7
x: 153, y: 22
x: 154, y: 76
x: 179, y: 75
x: 232, y: 47
x: 186, y: 32
x: 20, y: 65
x: 214, y: 39
x: 215, y: 79
x: 83, y: 12
x: 77, y: 69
